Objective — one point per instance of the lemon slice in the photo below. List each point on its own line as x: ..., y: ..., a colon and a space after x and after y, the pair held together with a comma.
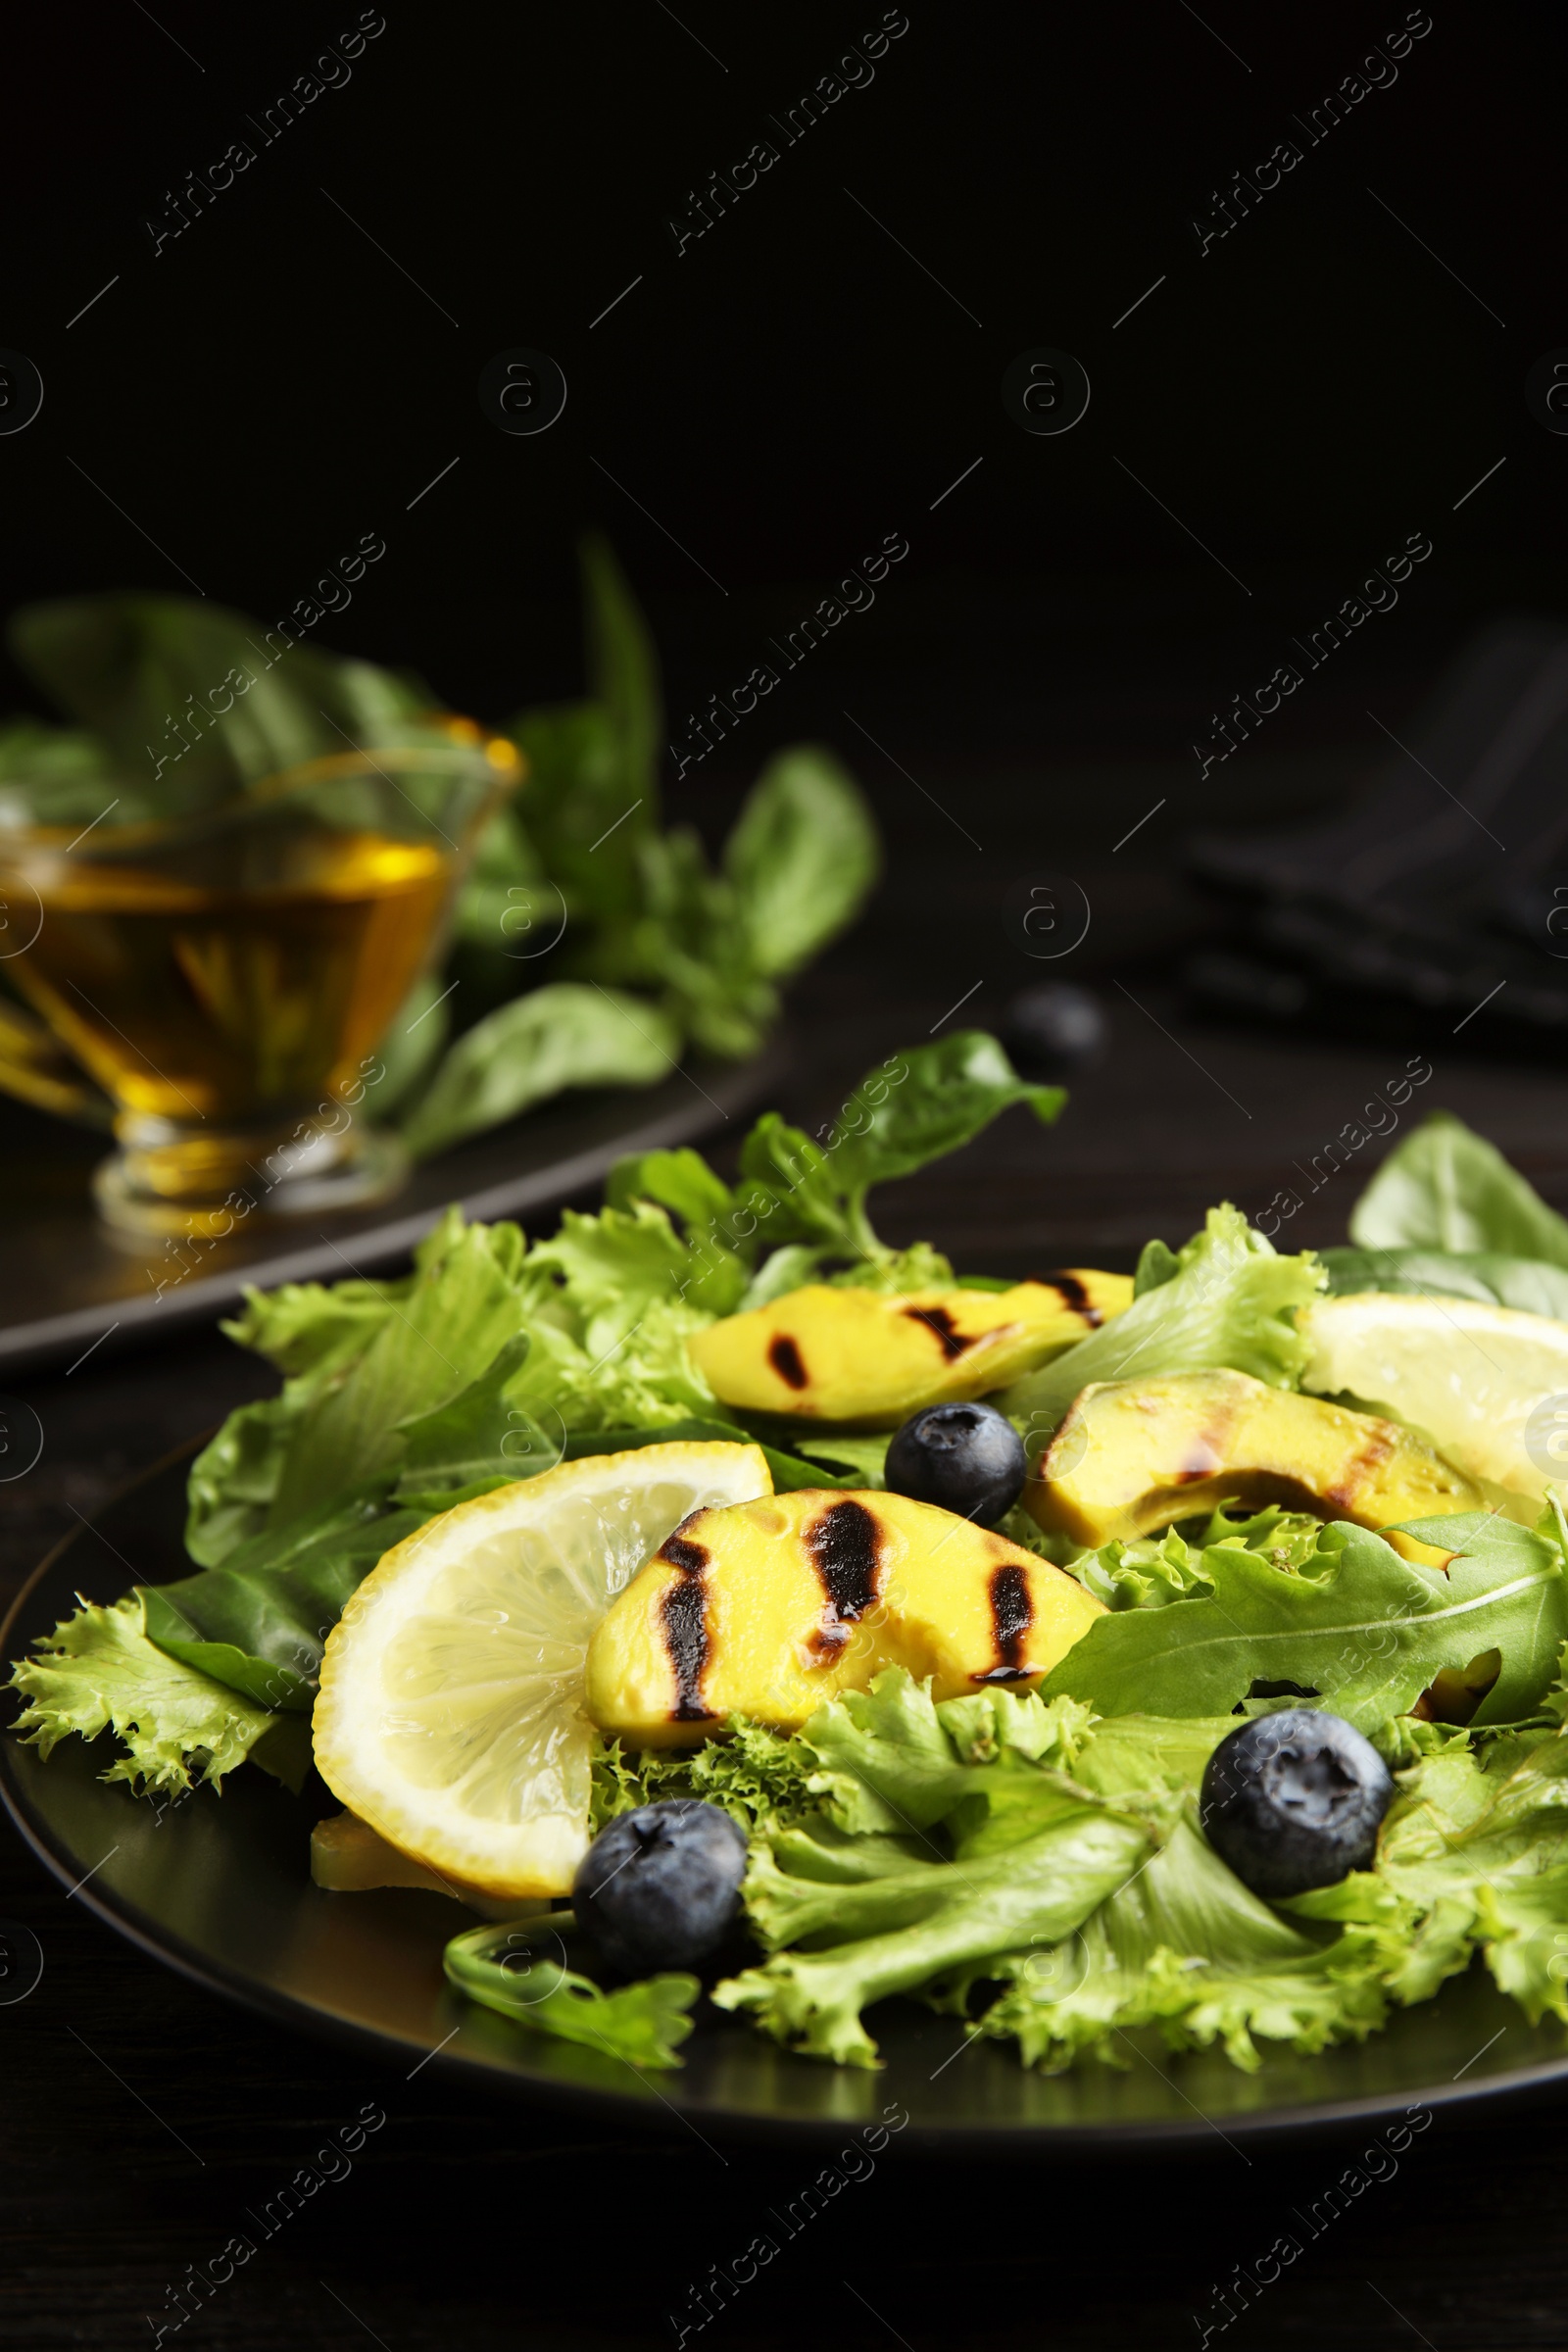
x: 1488, y: 1384
x: 450, y: 1715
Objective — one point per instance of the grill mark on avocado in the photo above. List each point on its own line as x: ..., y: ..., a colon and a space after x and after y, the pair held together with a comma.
x: 938, y: 1322
x: 1074, y: 1295
x: 1363, y: 1464
x: 1013, y: 1614
x: 785, y: 1357
x: 683, y: 1614
x: 1207, y: 1448
x: 844, y: 1545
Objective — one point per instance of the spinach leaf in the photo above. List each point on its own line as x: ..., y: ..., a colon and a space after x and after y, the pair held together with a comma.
x: 259, y: 1622
x: 1444, y: 1188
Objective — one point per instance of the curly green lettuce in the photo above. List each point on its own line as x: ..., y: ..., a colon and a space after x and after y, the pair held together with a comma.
x: 97, y: 1672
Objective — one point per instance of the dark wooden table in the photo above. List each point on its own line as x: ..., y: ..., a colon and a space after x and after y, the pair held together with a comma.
x: 141, y: 2118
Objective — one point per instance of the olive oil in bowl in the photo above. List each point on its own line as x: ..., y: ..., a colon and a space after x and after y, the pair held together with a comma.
x: 226, y: 980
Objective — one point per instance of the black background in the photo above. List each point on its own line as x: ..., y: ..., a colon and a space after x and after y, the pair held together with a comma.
x: 271, y: 385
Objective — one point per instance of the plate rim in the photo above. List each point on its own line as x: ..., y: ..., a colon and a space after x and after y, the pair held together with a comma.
x: 1039, y: 2142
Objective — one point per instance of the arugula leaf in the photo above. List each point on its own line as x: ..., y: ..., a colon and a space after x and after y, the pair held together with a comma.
x: 562, y: 1035
x: 510, y: 1969
x: 477, y: 1440
x: 98, y: 1672
x: 1357, y: 1626
x: 1444, y: 1188
x: 801, y: 859
x: 1226, y: 1299
x: 1530, y: 1284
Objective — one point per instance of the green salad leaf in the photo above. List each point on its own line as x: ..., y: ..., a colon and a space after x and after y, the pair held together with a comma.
x: 1186, y: 1947
x: 1474, y: 1854
x: 514, y: 1970
x: 1224, y: 1299
x: 1352, y: 1625
x: 1445, y: 1188
x: 98, y: 1672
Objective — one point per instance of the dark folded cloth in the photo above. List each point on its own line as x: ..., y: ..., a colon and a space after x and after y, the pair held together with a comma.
x: 1444, y: 888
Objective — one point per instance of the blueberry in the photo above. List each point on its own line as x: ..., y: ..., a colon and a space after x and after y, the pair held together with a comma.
x: 1053, y: 1027
x: 966, y: 1458
x: 661, y: 1887
x: 1294, y: 1801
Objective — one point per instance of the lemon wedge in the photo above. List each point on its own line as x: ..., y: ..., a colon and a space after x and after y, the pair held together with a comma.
x: 450, y: 1716
x: 1488, y: 1384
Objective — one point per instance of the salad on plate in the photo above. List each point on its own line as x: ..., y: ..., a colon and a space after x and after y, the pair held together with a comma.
x: 724, y: 1606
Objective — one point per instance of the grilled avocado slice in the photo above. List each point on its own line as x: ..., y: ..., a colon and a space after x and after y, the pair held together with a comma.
x: 1134, y: 1454
x: 767, y: 1608
x: 867, y: 1359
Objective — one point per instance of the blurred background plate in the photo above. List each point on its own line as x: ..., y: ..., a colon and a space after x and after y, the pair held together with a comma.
x: 218, y: 1888
x: 67, y: 1286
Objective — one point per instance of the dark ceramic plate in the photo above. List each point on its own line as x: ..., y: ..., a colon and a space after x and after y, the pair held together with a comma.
x: 219, y: 1889
x: 68, y: 1288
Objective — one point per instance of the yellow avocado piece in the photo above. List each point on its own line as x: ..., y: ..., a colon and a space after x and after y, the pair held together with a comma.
x: 871, y: 1360
x: 767, y: 1608
x: 1134, y: 1454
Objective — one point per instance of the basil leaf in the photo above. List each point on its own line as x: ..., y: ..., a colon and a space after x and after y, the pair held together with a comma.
x: 126, y: 665
x: 934, y: 1101
x: 1444, y: 1188
x: 560, y: 1036
x: 623, y: 673
x: 680, y: 1180
x: 801, y: 857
